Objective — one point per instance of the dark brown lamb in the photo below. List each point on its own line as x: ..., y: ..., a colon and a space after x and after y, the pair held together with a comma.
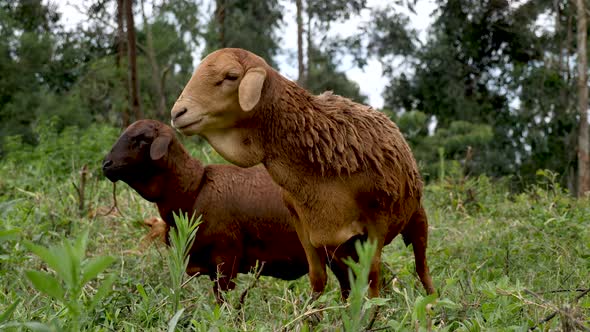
x: 347, y: 171
x: 244, y: 218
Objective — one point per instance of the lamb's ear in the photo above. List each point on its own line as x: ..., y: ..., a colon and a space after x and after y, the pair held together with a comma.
x: 159, y: 147
x: 251, y: 88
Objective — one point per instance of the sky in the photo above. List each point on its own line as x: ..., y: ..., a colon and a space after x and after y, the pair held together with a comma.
x: 369, y: 78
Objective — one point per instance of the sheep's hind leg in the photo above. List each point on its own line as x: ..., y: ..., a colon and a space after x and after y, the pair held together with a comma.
x: 416, y: 233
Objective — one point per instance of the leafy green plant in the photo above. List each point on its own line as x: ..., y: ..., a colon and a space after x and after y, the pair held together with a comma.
x: 181, y: 238
x: 73, y: 272
x: 355, y: 317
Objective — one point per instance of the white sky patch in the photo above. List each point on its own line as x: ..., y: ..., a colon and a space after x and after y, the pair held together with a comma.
x: 544, y: 24
x: 369, y: 79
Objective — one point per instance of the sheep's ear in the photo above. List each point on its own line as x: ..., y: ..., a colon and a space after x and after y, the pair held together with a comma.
x: 159, y: 147
x: 251, y: 88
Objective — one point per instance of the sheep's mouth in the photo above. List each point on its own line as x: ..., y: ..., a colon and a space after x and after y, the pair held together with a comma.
x: 186, y: 127
x: 112, y: 174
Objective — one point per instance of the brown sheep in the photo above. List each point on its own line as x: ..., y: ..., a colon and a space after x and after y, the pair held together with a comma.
x: 347, y: 171
x: 245, y: 219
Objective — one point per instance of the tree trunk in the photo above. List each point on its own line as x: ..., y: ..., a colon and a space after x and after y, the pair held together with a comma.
x: 557, y: 31
x: 309, y: 43
x: 132, y: 55
x: 120, y: 41
x: 156, y: 72
x: 301, y: 65
x: 121, y: 54
x: 568, y: 42
x: 583, y: 143
x: 220, y: 17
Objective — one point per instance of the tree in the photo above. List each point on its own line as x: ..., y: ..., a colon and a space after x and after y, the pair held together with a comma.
x: 300, y: 65
x: 583, y: 143
x: 29, y: 48
x: 165, y: 42
x: 158, y: 77
x: 323, y: 75
x: 132, y: 61
x: 251, y: 25
x: 489, y: 63
x: 121, y: 54
x: 319, y: 72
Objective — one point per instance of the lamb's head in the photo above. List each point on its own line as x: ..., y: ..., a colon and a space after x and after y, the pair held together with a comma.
x: 139, y: 155
x: 226, y: 86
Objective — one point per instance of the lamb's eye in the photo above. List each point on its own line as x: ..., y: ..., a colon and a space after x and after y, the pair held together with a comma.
x: 142, y: 140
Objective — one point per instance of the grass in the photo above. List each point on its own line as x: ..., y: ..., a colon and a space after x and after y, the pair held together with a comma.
x: 500, y: 261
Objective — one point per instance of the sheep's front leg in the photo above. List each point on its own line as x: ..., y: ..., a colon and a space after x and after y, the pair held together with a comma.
x: 375, y: 270
x: 316, y: 260
x: 316, y: 257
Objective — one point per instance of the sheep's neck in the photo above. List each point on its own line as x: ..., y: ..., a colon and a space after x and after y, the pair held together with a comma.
x: 236, y: 145
x: 281, y: 121
x: 181, y: 187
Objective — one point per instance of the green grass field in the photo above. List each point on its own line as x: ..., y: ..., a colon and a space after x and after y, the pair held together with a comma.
x: 500, y: 261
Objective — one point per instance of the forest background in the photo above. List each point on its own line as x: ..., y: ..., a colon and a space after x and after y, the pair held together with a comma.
x: 493, y: 84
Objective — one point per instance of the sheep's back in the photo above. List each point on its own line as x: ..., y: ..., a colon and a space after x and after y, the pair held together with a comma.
x: 332, y: 136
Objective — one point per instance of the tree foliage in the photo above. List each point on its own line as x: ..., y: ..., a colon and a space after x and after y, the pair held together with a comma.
x: 489, y: 63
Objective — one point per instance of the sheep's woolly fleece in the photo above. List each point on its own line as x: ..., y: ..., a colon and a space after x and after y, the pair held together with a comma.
x: 342, y: 137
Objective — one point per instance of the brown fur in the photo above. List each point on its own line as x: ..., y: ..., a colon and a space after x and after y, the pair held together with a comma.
x: 347, y: 171
x: 245, y: 220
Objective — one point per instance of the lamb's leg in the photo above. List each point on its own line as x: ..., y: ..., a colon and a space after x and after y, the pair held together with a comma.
x: 339, y: 267
x: 416, y: 233
x: 226, y: 272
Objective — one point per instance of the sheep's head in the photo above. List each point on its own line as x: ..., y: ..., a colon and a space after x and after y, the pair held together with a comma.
x: 138, y: 155
x: 226, y: 86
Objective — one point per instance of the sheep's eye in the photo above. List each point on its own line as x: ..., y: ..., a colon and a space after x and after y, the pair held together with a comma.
x: 228, y: 77
x: 231, y: 77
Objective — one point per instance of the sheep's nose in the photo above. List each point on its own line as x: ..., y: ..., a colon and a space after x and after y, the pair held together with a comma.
x: 179, y: 113
x: 106, y: 164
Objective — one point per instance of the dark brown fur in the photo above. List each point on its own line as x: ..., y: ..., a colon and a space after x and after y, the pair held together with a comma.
x: 347, y: 171
x: 245, y: 220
